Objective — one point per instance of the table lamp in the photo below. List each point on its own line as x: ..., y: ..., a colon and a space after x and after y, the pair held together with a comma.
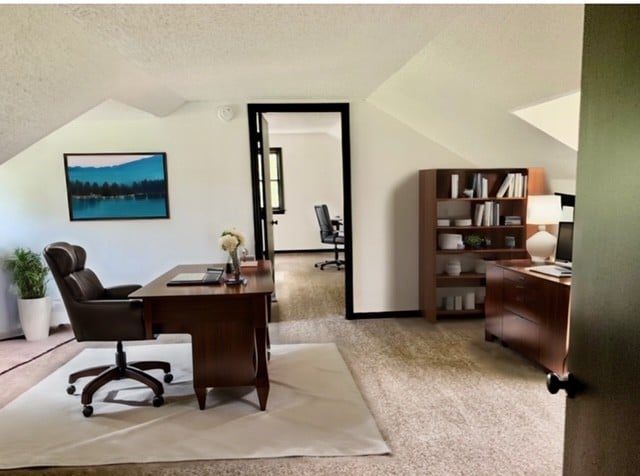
x: 542, y: 210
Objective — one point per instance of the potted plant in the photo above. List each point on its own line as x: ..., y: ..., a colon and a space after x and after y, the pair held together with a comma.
x: 474, y: 241
x: 34, y: 306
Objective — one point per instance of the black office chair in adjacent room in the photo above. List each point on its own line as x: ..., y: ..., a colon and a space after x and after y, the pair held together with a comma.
x: 97, y: 313
x: 330, y: 234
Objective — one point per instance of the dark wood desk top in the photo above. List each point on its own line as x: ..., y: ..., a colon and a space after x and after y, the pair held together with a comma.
x: 523, y: 266
x: 259, y: 281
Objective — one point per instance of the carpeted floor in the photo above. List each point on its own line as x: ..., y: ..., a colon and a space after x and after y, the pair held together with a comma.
x: 306, y: 292
x: 446, y: 401
x: 314, y: 407
x: 15, y: 352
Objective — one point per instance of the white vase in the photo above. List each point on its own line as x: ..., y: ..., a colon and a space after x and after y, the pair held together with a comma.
x: 453, y: 267
x: 35, y: 317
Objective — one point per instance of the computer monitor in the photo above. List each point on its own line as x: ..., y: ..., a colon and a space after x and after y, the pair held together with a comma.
x: 564, y: 246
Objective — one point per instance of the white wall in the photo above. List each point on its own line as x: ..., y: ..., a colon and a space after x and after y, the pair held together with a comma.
x: 386, y: 156
x: 210, y: 189
x: 312, y: 167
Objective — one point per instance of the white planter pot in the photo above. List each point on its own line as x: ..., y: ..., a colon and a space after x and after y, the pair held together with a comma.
x: 35, y: 317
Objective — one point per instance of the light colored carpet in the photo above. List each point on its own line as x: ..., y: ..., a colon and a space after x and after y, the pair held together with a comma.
x: 446, y: 402
x: 304, y: 291
x: 314, y: 409
x: 15, y: 352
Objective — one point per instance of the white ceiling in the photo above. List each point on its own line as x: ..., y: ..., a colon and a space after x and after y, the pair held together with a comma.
x: 451, y: 72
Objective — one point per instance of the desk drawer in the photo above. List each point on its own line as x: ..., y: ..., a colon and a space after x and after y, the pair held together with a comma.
x: 526, y: 297
x: 521, y: 335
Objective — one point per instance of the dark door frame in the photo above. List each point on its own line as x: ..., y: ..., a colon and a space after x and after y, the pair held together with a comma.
x: 254, y: 111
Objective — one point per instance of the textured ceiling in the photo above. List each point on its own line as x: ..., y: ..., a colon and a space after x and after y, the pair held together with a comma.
x: 451, y: 72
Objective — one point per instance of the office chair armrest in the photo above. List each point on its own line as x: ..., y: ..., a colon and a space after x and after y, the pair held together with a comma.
x: 112, y: 306
x: 121, y: 291
x: 109, y: 319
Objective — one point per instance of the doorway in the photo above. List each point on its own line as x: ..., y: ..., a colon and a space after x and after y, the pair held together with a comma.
x: 263, y: 221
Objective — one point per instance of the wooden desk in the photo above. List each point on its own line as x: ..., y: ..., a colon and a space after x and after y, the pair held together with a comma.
x: 528, y: 311
x: 227, y: 324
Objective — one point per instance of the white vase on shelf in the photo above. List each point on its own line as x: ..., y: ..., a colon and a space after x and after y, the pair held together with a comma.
x: 453, y: 268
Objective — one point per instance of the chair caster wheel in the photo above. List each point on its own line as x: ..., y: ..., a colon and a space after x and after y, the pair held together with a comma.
x: 168, y: 378
x: 87, y: 411
x: 71, y: 389
x: 158, y: 400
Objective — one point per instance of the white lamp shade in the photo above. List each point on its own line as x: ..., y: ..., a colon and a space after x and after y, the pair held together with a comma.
x: 544, y: 209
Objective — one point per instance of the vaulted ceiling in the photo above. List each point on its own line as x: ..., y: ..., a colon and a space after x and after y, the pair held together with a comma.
x: 454, y: 73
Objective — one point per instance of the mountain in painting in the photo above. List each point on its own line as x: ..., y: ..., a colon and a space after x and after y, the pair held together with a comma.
x: 148, y: 168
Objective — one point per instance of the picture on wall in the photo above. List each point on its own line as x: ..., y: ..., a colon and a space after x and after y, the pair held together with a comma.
x: 117, y: 186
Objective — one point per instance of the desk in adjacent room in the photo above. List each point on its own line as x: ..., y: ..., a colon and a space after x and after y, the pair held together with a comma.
x: 227, y: 324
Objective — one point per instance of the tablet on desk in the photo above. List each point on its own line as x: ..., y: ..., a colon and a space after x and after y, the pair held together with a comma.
x: 213, y: 276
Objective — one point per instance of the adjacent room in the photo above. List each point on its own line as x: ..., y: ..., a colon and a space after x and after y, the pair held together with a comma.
x: 319, y: 239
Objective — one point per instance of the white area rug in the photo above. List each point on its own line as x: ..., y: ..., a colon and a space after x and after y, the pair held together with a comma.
x: 314, y: 409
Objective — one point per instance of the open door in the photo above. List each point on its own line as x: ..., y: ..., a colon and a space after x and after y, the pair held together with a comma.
x: 263, y: 216
x: 266, y: 213
x: 263, y: 225
x: 602, y: 428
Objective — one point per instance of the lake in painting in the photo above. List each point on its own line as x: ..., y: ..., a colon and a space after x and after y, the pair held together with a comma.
x: 91, y: 208
x: 112, y: 186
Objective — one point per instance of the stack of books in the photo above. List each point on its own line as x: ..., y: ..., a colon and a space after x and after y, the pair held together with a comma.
x: 513, y: 185
x: 512, y: 220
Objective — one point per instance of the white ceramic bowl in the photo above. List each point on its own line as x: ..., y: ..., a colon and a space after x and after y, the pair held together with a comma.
x: 450, y: 241
x: 463, y: 222
x: 444, y: 222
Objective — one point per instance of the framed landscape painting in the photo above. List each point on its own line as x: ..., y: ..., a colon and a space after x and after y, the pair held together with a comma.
x: 117, y: 186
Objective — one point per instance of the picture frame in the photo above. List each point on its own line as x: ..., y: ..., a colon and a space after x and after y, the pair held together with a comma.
x: 116, y: 185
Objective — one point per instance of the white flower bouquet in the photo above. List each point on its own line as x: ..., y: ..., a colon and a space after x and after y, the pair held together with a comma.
x: 230, y: 241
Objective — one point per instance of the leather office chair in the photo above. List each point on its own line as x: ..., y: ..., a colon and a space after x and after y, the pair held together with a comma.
x: 101, y: 314
x: 329, y: 234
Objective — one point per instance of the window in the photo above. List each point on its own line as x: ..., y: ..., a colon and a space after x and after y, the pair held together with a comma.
x: 276, y: 184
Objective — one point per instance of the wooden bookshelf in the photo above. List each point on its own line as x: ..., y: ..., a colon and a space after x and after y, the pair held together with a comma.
x: 437, y: 201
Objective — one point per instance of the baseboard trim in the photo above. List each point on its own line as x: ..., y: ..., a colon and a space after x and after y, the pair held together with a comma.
x: 316, y: 250
x: 384, y: 314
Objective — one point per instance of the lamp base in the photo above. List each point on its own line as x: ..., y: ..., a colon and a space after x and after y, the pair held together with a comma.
x: 541, y: 246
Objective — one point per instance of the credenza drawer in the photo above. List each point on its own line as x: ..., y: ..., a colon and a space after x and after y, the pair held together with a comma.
x: 521, y: 334
x: 528, y: 312
x: 525, y: 297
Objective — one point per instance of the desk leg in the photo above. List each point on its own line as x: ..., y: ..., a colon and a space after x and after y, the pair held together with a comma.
x: 201, y: 393
x: 262, y: 375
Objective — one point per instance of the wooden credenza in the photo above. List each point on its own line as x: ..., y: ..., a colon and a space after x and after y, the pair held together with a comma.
x: 528, y: 312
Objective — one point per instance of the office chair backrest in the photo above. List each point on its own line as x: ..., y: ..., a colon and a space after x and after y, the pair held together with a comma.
x: 74, y: 281
x: 324, y: 220
x: 94, y: 313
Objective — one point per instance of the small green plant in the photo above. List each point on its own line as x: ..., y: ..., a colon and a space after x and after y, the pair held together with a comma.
x: 29, y: 273
x: 474, y: 241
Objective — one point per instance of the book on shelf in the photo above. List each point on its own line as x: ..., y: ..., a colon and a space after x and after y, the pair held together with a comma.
x: 496, y: 213
x: 479, y: 211
x: 454, y: 185
x: 477, y: 185
x: 487, y: 218
x: 474, y: 185
x: 512, y: 220
x: 485, y: 187
x: 505, y: 185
